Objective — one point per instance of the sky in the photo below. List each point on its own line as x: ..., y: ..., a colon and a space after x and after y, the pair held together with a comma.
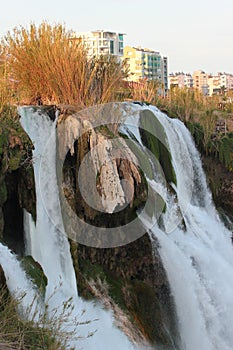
x: 193, y: 34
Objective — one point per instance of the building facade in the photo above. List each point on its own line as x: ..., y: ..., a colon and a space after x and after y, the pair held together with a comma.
x: 208, y: 84
x: 226, y: 80
x: 146, y: 64
x: 180, y: 80
x: 200, y: 81
x: 102, y: 42
x: 214, y: 84
x: 220, y: 83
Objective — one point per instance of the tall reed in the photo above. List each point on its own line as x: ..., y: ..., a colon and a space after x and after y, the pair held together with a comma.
x: 50, y: 65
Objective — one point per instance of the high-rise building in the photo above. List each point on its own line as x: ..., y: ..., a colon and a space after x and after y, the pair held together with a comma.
x: 146, y: 64
x: 101, y: 42
x: 165, y: 74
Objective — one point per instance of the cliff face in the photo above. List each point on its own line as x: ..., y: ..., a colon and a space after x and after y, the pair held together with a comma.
x: 132, y: 273
x: 17, y: 190
x: 221, y: 184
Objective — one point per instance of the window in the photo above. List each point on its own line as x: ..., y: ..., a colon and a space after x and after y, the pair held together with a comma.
x: 111, y: 46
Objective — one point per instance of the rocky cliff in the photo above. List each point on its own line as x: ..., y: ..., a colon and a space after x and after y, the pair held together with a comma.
x: 221, y: 184
x: 132, y: 274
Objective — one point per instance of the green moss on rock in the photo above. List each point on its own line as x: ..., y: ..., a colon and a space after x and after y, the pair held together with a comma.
x: 35, y: 273
x: 3, y: 192
x: 154, y: 138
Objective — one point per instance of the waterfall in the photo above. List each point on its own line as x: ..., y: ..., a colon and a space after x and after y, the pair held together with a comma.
x: 48, y: 244
x: 18, y: 284
x: 198, y: 260
x: 195, y: 247
x: 53, y: 254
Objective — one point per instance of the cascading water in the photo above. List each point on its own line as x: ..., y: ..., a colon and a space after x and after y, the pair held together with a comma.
x: 198, y: 260
x: 18, y: 284
x: 48, y: 244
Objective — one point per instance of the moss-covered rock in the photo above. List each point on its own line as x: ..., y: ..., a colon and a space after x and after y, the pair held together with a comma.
x: 220, y: 181
x: 17, y: 189
x: 136, y: 283
x: 35, y: 273
x: 154, y: 138
x: 3, y: 192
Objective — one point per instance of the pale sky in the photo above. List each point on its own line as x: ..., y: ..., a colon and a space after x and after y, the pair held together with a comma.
x: 194, y: 34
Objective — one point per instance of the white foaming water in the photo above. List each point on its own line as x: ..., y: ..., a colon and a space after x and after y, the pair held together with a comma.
x: 198, y: 261
x: 48, y: 244
x: 18, y: 283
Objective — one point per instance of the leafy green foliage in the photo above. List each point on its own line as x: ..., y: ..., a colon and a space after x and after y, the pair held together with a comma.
x: 226, y: 151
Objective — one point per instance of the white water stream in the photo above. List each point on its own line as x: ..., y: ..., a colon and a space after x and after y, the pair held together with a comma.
x: 198, y: 261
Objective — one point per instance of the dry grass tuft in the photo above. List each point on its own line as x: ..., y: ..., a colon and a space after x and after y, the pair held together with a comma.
x: 49, y: 66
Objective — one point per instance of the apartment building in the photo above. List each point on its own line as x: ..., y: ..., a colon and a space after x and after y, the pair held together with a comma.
x: 165, y: 74
x: 200, y: 81
x: 208, y: 84
x: 146, y: 64
x: 101, y: 42
x: 226, y: 80
x: 214, y: 84
x: 180, y: 79
x: 220, y: 83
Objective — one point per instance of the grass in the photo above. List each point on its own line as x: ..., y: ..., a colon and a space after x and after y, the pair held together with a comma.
x: 49, y: 66
x: 20, y: 334
x: 37, y: 330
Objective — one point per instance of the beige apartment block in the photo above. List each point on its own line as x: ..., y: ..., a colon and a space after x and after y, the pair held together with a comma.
x: 101, y: 42
x: 214, y: 84
x: 200, y: 81
x: 180, y: 80
x: 220, y: 83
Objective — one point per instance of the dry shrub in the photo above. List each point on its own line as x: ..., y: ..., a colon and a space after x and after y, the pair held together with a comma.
x: 6, y: 85
x: 51, y: 66
x: 19, y: 334
x: 148, y: 91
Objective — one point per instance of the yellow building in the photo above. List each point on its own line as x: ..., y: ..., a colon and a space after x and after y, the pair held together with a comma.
x: 146, y: 64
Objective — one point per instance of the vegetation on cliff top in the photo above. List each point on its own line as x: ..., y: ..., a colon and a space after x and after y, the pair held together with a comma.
x: 46, y: 64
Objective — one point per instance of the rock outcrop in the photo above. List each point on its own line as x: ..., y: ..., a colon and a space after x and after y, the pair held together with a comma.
x: 134, y: 275
x: 221, y: 183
